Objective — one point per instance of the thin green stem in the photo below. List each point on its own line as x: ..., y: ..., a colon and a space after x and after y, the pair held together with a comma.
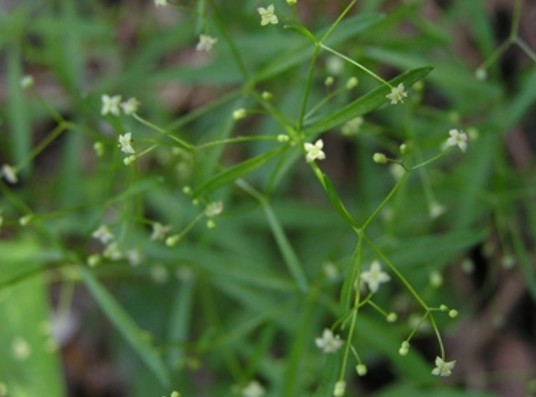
x: 308, y: 88
x: 357, y: 64
x: 56, y: 132
x: 386, y: 200
x: 438, y: 335
x: 339, y: 19
x: 238, y: 139
x: 526, y: 49
x: 397, y: 273
x: 181, y: 142
x: 355, y: 309
x: 436, y: 157
x: 236, y: 54
x: 423, y: 319
x: 514, y: 29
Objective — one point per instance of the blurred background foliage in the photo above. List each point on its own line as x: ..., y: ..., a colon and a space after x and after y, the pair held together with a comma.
x: 223, y: 307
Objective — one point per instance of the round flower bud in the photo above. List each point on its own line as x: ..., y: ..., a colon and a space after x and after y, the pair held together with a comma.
x: 361, y: 369
x: 379, y: 158
x: 267, y: 95
x: 352, y: 83
x: 239, y: 114
x: 453, y: 313
x: 391, y: 317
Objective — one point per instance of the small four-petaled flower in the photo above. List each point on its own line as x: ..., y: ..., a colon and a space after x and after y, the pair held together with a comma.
x: 267, y: 15
x: 397, y: 94
x: 159, y: 231
x: 443, y: 368
x: 206, y: 43
x: 329, y: 343
x: 314, y: 152
x: 131, y: 106
x: 111, y: 105
x: 125, y: 143
x: 103, y: 234
x: 458, y: 138
x: 375, y: 276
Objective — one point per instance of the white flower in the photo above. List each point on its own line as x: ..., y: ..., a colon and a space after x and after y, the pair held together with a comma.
x: 352, y: 83
x: 111, y: 105
x: 206, y: 43
x: 9, y: 173
x: 103, y: 234
x: 159, y: 231
x: 113, y: 252
x: 314, y: 151
x: 267, y: 15
x: 329, y: 343
x: 160, y: 3
x: 374, y: 277
x: 397, y: 94
x: 443, y: 368
x: 125, y: 143
x: 340, y: 388
x: 253, y: 389
x: 214, y: 209
x: 131, y: 106
x: 457, y: 138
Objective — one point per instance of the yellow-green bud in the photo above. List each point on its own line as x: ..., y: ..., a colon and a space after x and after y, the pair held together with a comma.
x: 379, y: 158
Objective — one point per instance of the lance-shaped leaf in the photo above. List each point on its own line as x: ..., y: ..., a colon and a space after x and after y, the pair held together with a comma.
x: 126, y: 327
x: 367, y: 103
x: 230, y: 175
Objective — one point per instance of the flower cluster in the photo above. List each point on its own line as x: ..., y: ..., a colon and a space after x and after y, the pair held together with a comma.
x: 125, y: 144
x: 113, y: 105
x: 112, y: 250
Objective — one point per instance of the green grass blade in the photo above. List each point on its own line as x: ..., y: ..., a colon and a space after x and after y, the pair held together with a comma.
x: 126, y: 327
x: 291, y: 259
x: 230, y: 175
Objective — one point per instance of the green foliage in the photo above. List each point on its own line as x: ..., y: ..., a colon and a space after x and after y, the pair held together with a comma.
x: 233, y: 244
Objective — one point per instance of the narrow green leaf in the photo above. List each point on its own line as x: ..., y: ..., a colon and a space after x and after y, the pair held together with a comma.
x: 368, y: 102
x: 126, y: 326
x: 28, y: 365
x: 291, y: 259
x: 135, y: 189
x: 232, y: 174
x: 337, y: 203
